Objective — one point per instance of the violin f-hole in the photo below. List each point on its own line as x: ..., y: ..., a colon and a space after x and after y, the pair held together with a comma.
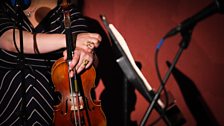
x: 57, y: 98
x: 66, y: 106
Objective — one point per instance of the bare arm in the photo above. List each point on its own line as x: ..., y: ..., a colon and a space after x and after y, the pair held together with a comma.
x: 85, y: 45
x: 45, y: 42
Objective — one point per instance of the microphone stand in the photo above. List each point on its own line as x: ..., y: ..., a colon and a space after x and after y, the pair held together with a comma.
x: 186, y: 37
x: 21, y: 65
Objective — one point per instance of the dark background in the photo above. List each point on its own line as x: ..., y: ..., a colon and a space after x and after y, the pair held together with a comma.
x: 198, y: 82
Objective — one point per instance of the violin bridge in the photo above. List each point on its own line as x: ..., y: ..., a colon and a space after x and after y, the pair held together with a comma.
x: 78, y: 103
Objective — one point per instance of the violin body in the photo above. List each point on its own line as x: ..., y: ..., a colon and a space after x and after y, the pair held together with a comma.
x: 67, y: 109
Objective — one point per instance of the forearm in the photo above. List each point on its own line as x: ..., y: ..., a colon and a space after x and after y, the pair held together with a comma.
x: 45, y: 42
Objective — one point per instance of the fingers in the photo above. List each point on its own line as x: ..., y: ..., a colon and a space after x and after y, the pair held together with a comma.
x: 84, y: 62
x: 83, y: 54
x: 95, y: 39
x: 88, y: 41
x: 81, y: 60
x: 90, y: 44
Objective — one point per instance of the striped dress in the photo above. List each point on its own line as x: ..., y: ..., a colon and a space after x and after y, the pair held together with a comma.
x: 36, y: 85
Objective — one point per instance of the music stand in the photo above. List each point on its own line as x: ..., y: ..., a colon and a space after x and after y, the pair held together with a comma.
x: 130, y: 69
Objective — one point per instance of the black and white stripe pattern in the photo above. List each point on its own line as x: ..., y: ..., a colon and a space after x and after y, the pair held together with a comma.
x: 39, y: 99
x: 38, y: 85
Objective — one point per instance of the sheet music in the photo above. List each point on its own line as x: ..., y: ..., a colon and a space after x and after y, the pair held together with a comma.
x: 124, y: 46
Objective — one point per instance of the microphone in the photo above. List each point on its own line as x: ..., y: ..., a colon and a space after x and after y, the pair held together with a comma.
x: 189, y: 23
x: 24, y: 4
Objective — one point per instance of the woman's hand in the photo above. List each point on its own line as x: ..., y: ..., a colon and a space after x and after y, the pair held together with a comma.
x: 88, y: 41
x: 84, y: 52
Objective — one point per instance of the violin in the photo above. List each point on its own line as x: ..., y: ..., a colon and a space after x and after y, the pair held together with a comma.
x: 76, y: 106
